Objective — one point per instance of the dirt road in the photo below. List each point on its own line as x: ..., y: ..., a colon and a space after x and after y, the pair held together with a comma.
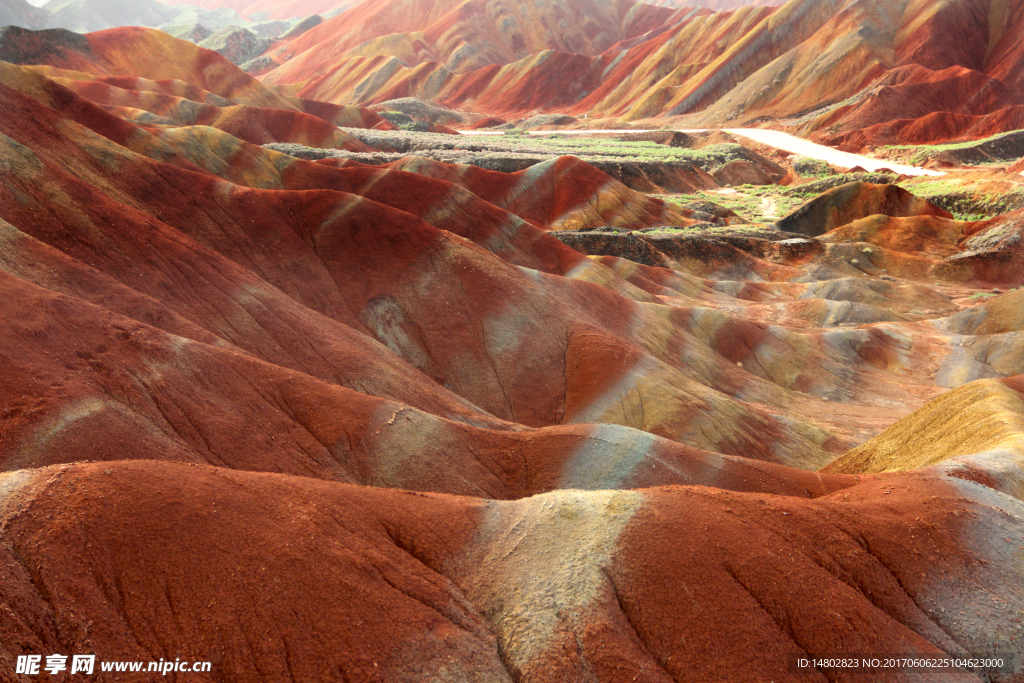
x: 790, y: 143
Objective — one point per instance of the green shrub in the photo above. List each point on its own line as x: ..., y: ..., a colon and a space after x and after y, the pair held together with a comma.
x: 811, y: 167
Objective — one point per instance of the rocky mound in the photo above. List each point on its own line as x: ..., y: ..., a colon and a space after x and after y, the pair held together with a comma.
x: 992, y: 250
x: 925, y: 235
x: 611, y: 242
x: 193, y: 33
x: 544, y: 121
x: 660, y: 177
x: 488, y: 122
x: 312, y: 21
x: 237, y: 44
x: 662, y: 137
x: 854, y: 201
x: 816, y: 187
x: 705, y: 248
x: 421, y: 110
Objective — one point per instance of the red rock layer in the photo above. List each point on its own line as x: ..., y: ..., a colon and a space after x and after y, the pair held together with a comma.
x: 665, y: 584
x: 873, y: 73
x: 224, y: 363
x: 465, y: 34
x: 351, y: 247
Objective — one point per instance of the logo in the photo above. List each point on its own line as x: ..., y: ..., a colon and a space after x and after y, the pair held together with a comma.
x: 55, y: 664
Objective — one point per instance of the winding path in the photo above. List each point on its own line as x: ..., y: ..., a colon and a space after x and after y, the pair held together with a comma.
x: 791, y: 143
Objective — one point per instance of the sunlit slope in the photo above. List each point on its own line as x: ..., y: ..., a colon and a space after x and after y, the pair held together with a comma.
x: 984, y: 417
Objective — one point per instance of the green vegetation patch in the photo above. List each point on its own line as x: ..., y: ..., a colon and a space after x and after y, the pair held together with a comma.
x: 808, y: 167
x: 755, y: 203
x: 814, y: 188
x: 1000, y: 148
x: 516, y: 142
x: 967, y: 205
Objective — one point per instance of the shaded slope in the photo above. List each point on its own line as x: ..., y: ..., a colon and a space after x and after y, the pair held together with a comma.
x: 215, y: 93
x: 1000, y: 315
x: 983, y: 416
x: 136, y: 390
x: 932, y: 236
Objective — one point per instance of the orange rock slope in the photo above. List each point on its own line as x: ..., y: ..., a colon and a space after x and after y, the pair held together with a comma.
x: 148, y: 77
x: 322, y: 420
x: 624, y: 585
x: 465, y: 34
x: 852, y: 73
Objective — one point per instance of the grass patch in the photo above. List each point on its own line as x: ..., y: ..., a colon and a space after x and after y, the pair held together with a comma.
x: 808, y: 167
x: 1000, y: 148
x: 516, y: 142
x: 955, y: 145
x: 965, y: 204
x: 931, y: 188
x: 749, y: 201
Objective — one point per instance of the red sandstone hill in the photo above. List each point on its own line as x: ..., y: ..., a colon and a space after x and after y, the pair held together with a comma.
x: 154, y: 79
x: 463, y: 34
x: 310, y: 580
x: 856, y: 73
x: 317, y: 420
